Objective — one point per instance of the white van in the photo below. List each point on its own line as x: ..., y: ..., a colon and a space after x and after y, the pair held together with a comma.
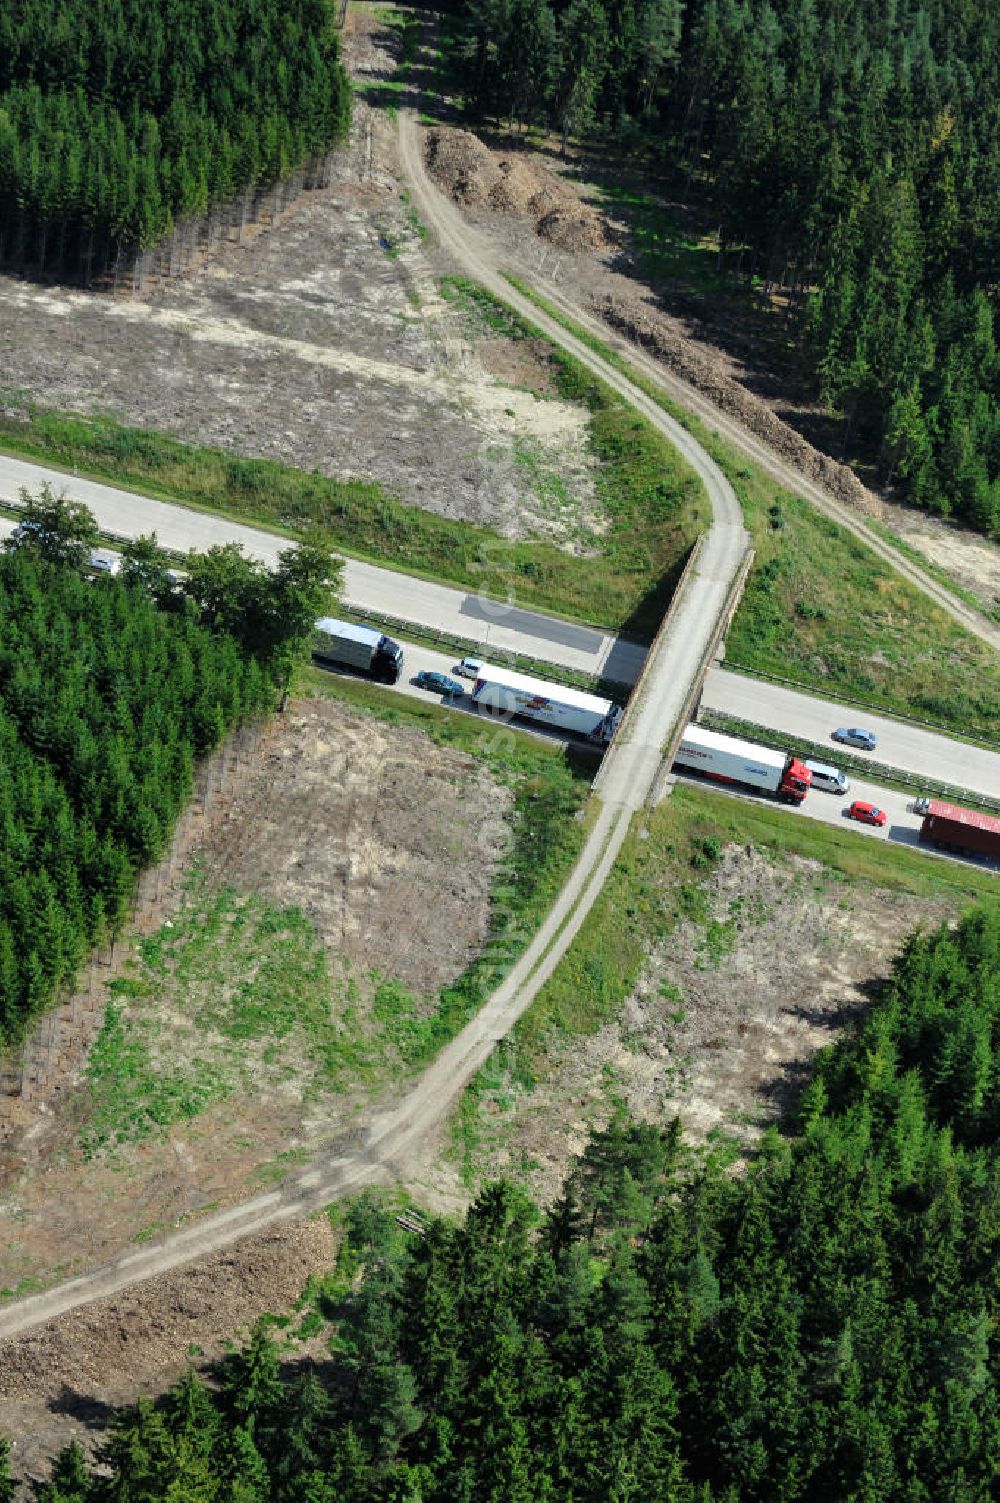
x: 830, y: 779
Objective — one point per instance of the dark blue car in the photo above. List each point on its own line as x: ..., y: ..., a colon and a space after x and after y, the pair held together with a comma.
x: 440, y: 683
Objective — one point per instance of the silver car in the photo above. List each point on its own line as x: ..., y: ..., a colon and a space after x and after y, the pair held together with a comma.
x: 854, y: 736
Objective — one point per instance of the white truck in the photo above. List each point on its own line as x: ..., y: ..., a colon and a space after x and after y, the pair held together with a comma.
x: 725, y: 759
x: 350, y: 645
x: 503, y: 692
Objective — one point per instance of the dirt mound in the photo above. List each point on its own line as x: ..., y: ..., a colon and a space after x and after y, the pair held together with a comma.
x: 640, y: 322
x: 56, y: 1381
x: 572, y: 227
x: 461, y: 165
x: 473, y: 175
x: 516, y: 186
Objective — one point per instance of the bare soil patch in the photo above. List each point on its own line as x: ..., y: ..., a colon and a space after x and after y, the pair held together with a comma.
x: 972, y: 560
x: 63, y: 1380
x: 721, y: 1028
x: 638, y: 319
x: 556, y: 230
x: 350, y: 824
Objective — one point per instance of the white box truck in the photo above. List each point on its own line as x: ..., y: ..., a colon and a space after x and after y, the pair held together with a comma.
x: 350, y: 645
x: 506, y: 693
x: 725, y: 759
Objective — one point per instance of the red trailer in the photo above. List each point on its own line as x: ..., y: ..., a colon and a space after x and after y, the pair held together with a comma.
x: 955, y: 829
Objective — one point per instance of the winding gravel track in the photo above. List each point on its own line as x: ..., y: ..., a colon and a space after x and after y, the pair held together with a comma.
x: 628, y: 776
x: 627, y: 779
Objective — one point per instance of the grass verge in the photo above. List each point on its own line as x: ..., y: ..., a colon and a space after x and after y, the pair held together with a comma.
x: 549, y: 783
x: 821, y: 609
x: 646, y: 894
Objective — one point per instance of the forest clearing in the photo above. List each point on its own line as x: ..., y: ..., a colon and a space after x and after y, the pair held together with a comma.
x: 723, y: 1259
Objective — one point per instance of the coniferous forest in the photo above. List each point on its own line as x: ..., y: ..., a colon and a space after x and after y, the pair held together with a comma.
x: 848, y: 151
x: 121, y: 118
x: 821, y: 1327
x: 109, y: 690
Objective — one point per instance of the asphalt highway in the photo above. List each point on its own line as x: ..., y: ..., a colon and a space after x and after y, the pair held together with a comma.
x: 903, y: 827
x: 461, y: 613
x: 926, y: 754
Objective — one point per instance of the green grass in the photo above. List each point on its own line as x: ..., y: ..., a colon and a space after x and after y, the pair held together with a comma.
x: 933, y: 570
x: 234, y: 996
x: 247, y: 988
x: 653, y: 502
x: 408, y: 28
x: 666, y: 250
x: 657, y: 883
x: 822, y: 610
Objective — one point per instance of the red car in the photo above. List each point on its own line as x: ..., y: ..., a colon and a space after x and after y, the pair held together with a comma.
x: 867, y: 813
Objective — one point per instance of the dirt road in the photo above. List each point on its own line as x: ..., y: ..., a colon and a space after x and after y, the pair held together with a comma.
x: 787, y: 475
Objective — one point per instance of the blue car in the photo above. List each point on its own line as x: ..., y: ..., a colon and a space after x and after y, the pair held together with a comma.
x: 440, y: 683
x: 863, y: 740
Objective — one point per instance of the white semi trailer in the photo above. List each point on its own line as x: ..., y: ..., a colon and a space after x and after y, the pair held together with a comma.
x: 726, y: 759
x: 506, y: 693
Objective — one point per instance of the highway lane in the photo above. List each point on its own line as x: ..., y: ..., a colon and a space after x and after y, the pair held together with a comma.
x: 418, y: 658
x: 903, y: 827
x: 462, y: 613
x: 629, y: 772
x: 926, y: 754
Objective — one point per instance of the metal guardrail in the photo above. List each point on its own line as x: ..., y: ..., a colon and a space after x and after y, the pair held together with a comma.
x: 970, y: 734
x: 612, y: 688
x: 876, y: 771
x: 468, y: 647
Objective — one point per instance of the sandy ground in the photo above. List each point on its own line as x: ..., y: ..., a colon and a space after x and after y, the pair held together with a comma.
x: 719, y: 1031
x: 324, y: 341
x: 576, y: 239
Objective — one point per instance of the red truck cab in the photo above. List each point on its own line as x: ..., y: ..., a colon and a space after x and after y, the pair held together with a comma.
x: 796, y: 781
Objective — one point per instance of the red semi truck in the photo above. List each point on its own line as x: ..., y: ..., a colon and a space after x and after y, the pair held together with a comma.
x: 728, y: 760
x: 955, y: 829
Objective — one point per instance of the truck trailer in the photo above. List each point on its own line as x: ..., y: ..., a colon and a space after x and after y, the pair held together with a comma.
x: 952, y: 828
x: 506, y: 693
x: 725, y: 759
x: 349, y: 645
